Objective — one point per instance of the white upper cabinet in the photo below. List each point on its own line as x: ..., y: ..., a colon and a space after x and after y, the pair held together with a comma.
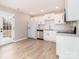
x: 59, y: 19
x: 72, y: 10
x: 40, y: 19
x: 50, y: 16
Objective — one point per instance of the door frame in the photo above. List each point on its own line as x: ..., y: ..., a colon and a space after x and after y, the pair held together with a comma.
x: 9, y: 40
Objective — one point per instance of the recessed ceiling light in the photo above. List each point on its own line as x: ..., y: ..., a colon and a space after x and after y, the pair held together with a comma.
x: 45, y: 15
x: 31, y: 12
x: 57, y: 7
x: 42, y: 10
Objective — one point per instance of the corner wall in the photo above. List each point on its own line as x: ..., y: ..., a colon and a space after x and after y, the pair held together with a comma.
x: 21, y: 22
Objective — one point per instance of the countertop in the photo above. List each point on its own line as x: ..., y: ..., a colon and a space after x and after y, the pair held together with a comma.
x: 69, y: 34
x: 65, y: 34
x: 48, y: 30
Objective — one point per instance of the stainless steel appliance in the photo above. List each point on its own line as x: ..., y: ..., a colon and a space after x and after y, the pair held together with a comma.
x: 40, y: 34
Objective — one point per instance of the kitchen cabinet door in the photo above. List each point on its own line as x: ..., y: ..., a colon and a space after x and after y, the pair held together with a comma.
x: 72, y: 10
x: 50, y: 36
x: 49, y: 16
x: 46, y: 35
x: 39, y: 19
x: 59, y: 19
x: 67, y: 45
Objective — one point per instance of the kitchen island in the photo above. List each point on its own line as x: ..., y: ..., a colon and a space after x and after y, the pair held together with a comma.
x: 67, y: 45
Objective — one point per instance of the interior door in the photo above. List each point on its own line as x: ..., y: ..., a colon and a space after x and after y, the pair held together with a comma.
x: 1, y: 27
x: 5, y: 30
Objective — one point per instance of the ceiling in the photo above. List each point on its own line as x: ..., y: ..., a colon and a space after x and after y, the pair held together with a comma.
x: 34, y: 7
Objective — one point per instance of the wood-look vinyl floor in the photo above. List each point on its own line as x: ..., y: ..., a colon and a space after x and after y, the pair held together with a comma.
x: 29, y: 49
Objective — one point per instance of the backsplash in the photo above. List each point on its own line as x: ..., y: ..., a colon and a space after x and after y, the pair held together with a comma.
x: 68, y: 27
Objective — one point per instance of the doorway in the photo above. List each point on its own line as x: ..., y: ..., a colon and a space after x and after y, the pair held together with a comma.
x: 6, y: 30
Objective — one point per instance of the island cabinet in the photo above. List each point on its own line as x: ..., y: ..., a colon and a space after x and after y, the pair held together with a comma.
x: 49, y: 35
x: 67, y: 44
x: 72, y: 10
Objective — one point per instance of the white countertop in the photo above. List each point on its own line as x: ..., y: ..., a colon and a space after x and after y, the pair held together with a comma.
x: 65, y: 34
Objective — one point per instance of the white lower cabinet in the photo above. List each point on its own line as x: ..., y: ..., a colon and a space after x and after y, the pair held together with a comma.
x: 50, y: 35
x: 67, y: 47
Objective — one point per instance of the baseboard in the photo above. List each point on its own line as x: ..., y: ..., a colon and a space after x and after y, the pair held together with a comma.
x: 31, y: 38
x: 20, y: 39
x: 50, y: 41
x: 6, y: 42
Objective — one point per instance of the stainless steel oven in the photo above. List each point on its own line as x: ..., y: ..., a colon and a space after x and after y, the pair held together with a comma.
x: 40, y: 34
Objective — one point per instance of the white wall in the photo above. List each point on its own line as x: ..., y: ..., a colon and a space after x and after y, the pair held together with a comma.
x: 21, y: 22
x: 64, y: 27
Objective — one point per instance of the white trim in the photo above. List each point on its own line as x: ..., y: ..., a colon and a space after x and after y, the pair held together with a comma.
x: 20, y: 39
